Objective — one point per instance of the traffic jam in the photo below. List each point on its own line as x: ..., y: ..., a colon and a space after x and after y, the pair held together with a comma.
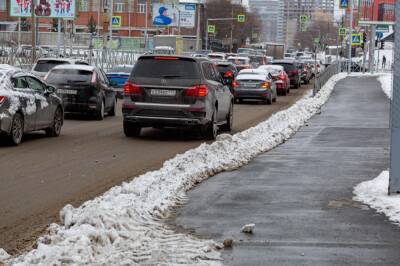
x: 161, y: 90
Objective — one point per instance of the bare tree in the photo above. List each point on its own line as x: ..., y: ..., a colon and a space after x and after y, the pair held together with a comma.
x: 321, y: 26
x: 240, y: 31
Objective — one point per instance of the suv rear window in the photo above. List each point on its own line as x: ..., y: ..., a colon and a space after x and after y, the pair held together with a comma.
x: 46, y: 65
x: 165, y: 68
x: 287, y: 66
x: 66, y: 76
x: 225, y: 68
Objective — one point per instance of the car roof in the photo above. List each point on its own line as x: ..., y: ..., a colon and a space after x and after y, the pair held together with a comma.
x: 247, y: 76
x: 257, y: 71
x: 271, y: 67
x: 70, y: 60
x: 190, y: 58
x: 77, y: 67
x: 239, y: 57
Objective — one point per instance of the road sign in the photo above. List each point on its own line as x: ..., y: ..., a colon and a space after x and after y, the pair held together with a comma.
x: 344, y: 4
x: 211, y: 29
x: 342, y: 31
x: 356, y: 39
x: 379, y: 35
x: 116, y: 21
x: 382, y: 28
x: 303, y: 19
x: 241, y: 18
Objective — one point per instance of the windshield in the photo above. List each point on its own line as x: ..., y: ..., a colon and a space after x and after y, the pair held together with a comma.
x: 287, y: 66
x: 66, y: 76
x: 238, y: 61
x: 215, y: 56
x: 46, y: 65
x: 165, y: 68
x: 121, y: 69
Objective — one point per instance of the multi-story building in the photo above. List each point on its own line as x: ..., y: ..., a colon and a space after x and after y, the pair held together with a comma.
x: 132, y: 12
x: 293, y: 9
x: 271, y: 13
x: 377, y: 10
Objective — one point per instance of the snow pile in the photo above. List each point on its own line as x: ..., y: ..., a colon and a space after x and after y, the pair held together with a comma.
x: 14, y: 95
x: 375, y: 194
x: 125, y: 225
x: 386, y: 81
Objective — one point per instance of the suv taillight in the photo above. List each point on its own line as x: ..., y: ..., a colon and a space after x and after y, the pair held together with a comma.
x: 197, y: 91
x: 132, y: 89
x: 2, y: 99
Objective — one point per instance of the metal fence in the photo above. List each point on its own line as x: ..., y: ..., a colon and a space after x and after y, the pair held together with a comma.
x: 322, y: 78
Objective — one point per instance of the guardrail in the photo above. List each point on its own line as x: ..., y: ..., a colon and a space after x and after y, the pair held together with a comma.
x: 323, y: 77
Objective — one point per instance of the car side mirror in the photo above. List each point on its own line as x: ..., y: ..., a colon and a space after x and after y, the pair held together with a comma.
x: 50, y: 89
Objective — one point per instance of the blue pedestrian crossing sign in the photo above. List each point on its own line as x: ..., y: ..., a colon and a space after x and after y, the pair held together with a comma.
x: 344, y: 3
x: 356, y: 39
x: 116, y: 21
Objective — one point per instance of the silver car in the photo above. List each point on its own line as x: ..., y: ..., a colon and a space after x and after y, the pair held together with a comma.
x: 176, y: 91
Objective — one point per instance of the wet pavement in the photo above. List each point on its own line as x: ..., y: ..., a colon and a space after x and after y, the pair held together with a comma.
x: 299, y: 195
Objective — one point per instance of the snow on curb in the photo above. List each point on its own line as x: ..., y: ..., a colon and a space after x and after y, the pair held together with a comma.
x: 124, y: 225
x: 386, y: 81
x: 375, y: 194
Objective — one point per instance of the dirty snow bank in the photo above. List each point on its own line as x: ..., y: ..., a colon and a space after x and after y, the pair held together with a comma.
x: 125, y: 226
x: 375, y: 194
x: 386, y: 81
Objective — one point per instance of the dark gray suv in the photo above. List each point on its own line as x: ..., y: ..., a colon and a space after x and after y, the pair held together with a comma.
x: 176, y: 91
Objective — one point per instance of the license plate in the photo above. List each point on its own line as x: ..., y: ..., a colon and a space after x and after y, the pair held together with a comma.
x: 250, y: 85
x: 158, y: 92
x: 64, y: 91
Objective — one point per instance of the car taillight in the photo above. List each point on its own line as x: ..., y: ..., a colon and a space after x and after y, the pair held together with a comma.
x: 265, y: 85
x: 235, y: 84
x: 2, y: 99
x: 228, y: 74
x: 93, y: 81
x: 197, y: 91
x: 132, y: 89
x: 282, y: 77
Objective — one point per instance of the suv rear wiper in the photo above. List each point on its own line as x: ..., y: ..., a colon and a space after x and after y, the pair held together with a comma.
x: 171, y: 76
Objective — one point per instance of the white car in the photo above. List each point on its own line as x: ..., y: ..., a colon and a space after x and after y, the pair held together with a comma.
x: 44, y: 65
x: 217, y: 56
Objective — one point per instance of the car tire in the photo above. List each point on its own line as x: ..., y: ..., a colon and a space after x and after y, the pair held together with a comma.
x: 227, y: 127
x: 55, y: 129
x: 131, y: 130
x: 100, y: 112
x: 17, y: 129
x: 211, y: 129
x: 113, y: 110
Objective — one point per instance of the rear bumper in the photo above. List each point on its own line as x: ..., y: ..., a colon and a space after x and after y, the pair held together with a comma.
x: 5, y: 123
x: 173, y: 115
x: 80, y: 107
x: 252, y: 94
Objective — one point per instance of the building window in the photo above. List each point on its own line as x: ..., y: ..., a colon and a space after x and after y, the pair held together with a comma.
x: 2, y: 5
x: 141, y: 6
x: 84, y: 6
x: 119, y: 7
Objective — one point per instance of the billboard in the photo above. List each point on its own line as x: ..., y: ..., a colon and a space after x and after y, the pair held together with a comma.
x: 43, y: 8
x: 167, y: 15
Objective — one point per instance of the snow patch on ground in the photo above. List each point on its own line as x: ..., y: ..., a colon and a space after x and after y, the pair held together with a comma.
x: 375, y: 194
x: 386, y: 81
x: 125, y: 225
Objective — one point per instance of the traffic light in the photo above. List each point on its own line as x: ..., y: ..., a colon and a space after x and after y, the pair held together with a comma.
x: 364, y: 40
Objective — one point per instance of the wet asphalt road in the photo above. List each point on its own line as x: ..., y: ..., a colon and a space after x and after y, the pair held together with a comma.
x: 299, y: 195
x: 42, y: 175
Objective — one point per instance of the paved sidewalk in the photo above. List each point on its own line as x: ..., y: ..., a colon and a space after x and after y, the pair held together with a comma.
x: 300, y: 194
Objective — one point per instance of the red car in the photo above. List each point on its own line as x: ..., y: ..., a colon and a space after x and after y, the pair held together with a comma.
x: 279, y: 76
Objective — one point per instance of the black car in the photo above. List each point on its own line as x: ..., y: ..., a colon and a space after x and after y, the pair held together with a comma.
x: 228, y: 72
x: 292, y: 68
x: 176, y: 91
x: 27, y: 104
x: 84, y: 89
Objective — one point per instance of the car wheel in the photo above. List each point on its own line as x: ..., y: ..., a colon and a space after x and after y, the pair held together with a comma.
x: 131, y: 130
x: 211, y: 129
x: 113, y: 110
x: 58, y: 121
x: 17, y: 129
x: 229, y: 120
x: 100, y: 113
